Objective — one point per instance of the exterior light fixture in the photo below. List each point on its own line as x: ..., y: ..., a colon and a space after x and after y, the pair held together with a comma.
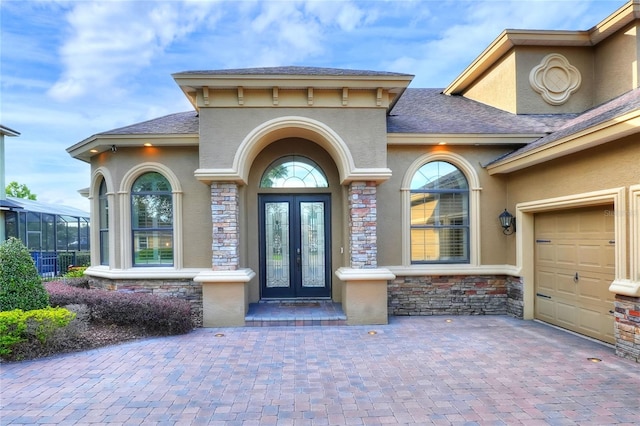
x: 508, y: 222
x: 148, y: 144
x: 93, y: 151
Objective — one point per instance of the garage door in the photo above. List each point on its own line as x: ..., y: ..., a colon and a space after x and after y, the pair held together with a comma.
x: 574, y: 266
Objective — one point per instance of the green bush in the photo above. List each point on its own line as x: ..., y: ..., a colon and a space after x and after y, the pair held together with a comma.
x: 12, y: 330
x: 75, y: 272
x: 20, y: 285
x: 37, y: 326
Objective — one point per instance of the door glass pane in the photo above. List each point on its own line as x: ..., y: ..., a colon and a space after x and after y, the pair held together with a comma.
x: 277, y: 244
x: 313, y: 244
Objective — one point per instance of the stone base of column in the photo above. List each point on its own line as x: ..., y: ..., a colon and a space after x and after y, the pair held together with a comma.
x: 364, y: 295
x: 225, y: 299
x: 627, y: 327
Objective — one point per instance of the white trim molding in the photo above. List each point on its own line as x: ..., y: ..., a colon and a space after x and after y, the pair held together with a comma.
x: 237, y: 276
x: 151, y: 273
x: 631, y: 286
x: 452, y: 269
x: 94, y: 190
x: 525, y: 237
x: 474, y: 203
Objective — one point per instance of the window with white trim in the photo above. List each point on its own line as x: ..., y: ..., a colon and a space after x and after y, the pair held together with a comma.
x: 152, y: 220
x: 439, y: 214
x: 103, y: 212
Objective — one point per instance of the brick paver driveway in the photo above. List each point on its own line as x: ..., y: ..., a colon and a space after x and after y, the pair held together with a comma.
x: 416, y: 370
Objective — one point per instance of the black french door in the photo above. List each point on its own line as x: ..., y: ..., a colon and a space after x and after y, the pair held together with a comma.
x: 295, y: 245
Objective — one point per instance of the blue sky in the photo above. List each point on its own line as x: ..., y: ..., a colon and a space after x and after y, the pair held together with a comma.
x: 71, y: 69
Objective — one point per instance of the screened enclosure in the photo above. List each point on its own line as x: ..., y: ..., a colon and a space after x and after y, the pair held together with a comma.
x: 56, y: 236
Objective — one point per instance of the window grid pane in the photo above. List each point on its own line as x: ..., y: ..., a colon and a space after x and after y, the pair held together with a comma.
x: 151, y: 221
x: 439, y: 214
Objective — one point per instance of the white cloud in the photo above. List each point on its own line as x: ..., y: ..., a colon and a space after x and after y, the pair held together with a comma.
x: 112, y: 40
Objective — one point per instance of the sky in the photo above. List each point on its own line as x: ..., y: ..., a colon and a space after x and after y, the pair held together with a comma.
x: 72, y: 69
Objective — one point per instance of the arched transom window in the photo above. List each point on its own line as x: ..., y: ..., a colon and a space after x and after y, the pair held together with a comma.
x: 293, y: 171
x: 152, y: 220
x: 439, y: 214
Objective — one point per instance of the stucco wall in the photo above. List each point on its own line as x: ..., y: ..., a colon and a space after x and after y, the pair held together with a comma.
x: 497, y: 87
x: 196, y: 199
x: 609, y: 166
x: 492, y: 202
x: 616, y: 64
x: 531, y: 102
x: 223, y: 130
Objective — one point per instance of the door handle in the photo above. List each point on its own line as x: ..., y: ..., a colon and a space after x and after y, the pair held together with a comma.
x: 298, y: 257
x: 576, y: 278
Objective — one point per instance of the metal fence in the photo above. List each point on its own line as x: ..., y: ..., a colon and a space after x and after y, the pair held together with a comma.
x: 54, y: 264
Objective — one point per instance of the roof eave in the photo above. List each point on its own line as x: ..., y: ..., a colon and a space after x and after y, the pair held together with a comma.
x: 6, y: 131
x: 98, y: 144
x: 190, y: 83
x: 470, y: 139
x: 608, y: 131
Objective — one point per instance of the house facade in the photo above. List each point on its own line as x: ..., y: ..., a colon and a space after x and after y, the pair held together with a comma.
x: 316, y: 183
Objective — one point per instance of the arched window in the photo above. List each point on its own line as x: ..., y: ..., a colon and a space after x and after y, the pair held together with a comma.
x: 152, y: 220
x: 439, y: 210
x: 103, y: 212
x: 293, y: 171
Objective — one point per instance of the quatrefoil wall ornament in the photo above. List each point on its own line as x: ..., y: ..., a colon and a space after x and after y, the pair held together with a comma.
x: 555, y: 79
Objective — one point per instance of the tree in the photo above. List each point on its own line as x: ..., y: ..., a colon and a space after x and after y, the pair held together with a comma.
x: 19, y: 190
x: 20, y: 285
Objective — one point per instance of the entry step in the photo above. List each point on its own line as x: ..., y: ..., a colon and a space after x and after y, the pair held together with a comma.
x: 295, y: 313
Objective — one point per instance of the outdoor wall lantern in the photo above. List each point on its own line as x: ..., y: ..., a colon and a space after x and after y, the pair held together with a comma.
x: 508, y: 222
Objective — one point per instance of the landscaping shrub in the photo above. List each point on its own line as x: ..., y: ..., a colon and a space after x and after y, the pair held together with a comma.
x: 25, y: 332
x: 20, y: 285
x: 156, y: 315
x: 75, y: 276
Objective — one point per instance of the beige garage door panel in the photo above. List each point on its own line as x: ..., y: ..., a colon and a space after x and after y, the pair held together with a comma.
x: 575, y: 259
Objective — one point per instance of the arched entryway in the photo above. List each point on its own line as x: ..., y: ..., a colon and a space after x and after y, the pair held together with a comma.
x: 294, y: 220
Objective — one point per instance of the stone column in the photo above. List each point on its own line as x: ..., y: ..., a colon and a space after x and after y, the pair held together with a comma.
x: 363, y: 225
x: 364, y: 293
x: 224, y: 288
x: 627, y: 327
x: 224, y: 217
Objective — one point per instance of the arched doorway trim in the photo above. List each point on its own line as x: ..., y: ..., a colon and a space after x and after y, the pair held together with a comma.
x: 293, y: 126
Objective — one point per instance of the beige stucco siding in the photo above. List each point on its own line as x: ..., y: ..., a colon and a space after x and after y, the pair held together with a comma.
x: 492, y: 202
x: 497, y: 86
x: 223, y: 130
x: 616, y: 64
x: 531, y: 102
x: 196, y: 209
x: 610, y: 166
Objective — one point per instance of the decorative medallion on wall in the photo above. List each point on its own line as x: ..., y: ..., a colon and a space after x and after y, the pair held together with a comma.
x: 555, y: 79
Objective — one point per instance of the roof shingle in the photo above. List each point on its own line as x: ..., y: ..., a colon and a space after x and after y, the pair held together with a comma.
x: 430, y: 111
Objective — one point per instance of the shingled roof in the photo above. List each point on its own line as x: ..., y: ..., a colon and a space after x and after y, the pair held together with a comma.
x: 617, y: 107
x: 430, y: 111
x: 294, y: 70
x: 178, y: 123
